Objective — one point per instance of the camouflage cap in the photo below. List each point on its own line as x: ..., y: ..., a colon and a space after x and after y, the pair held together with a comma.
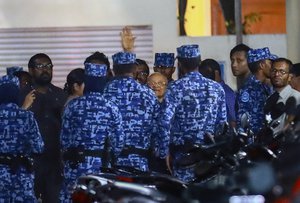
x: 8, y: 79
x: 255, y: 55
x: 13, y: 69
x: 96, y: 70
x: 124, y: 58
x: 188, y: 51
x: 164, y: 60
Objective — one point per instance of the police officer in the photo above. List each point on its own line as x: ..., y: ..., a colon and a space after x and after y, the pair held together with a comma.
x: 139, y: 108
x: 164, y: 64
x: 193, y: 106
x: 20, y: 139
x: 92, y: 127
x: 285, y: 95
x: 252, y: 96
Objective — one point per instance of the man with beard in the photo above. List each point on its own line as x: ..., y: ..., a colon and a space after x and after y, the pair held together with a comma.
x: 193, y: 106
x: 47, y: 108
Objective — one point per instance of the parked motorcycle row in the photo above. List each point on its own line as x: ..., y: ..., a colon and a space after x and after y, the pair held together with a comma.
x: 230, y: 167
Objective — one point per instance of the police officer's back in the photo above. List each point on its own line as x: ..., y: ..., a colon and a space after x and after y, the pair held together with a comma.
x: 20, y: 140
x: 47, y: 106
x: 138, y: 106
x: 193, y: 106
x: 92, y: 127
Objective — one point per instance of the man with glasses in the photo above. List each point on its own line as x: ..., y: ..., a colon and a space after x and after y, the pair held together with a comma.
x: 138, y: 107
x: 47, y: 108
x: 252, y: 96
x: 142, y: 71
x: 284, y: 94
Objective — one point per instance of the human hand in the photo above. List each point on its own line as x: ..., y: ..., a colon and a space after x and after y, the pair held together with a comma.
x: 127, y: 39
x: 29, y: 99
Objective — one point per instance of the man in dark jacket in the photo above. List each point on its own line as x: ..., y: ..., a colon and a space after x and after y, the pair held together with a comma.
x: 47, y: 108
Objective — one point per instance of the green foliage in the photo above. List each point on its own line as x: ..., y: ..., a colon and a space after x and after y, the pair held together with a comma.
x: 250, y: 19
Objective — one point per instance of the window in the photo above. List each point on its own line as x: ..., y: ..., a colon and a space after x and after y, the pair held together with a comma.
x: 68, y: 46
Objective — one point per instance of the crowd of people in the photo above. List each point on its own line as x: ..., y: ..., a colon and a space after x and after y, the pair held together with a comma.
x: 123, y: 116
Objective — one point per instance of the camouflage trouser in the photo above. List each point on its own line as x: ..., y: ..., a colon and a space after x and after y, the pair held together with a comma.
x: 90, y: 166
x: 16, y: 187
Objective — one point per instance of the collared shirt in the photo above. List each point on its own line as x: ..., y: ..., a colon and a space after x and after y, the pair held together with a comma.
x: 139, y: 108
x: 251, y: 99
x: 88, y: 121
x: 19, y: 135
x: 230, y: 98
x: 193, y: 106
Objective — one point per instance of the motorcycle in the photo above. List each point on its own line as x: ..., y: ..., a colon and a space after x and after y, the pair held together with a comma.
x: 125, y: 184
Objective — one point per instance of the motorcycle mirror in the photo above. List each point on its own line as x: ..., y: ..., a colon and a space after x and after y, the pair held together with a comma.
x: 209, y: 138
x: 245, y: 121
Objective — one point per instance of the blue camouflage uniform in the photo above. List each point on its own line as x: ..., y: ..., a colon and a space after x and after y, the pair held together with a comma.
x: 19, y: 135
x: 252, y: 96
x: 251, y: 99
x: 139, y: 108
x: 193, y: 106
x: 88, y: 123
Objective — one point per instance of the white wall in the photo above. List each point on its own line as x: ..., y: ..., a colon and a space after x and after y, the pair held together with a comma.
x: 161, y: 14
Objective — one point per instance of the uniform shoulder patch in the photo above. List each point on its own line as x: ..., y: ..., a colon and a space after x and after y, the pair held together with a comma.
x: 245, y: 97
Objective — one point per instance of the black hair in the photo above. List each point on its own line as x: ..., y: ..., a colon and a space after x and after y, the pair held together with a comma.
x: 253, y: 67
x: 99, y: 56
x: 287, y: 61
x: 9, y: 93
x: 31, y: 63
x: 190, y: 63
x: 239, y: 47
x: 23, y: 74
x: 94, y: 84
x: 121, y: 69
x: 141, y: 62
x: 75, y: 76
x: 208, y: 67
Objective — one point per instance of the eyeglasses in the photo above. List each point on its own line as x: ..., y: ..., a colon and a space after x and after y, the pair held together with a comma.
x: 155, y: 84
x: 43, y: 66
x: 280, y: 72
x: 143, y: 74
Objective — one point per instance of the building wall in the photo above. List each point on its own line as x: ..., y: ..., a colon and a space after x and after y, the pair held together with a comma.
x: 161, y: 14
x: 293, y: 31
x: 272, y: 15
